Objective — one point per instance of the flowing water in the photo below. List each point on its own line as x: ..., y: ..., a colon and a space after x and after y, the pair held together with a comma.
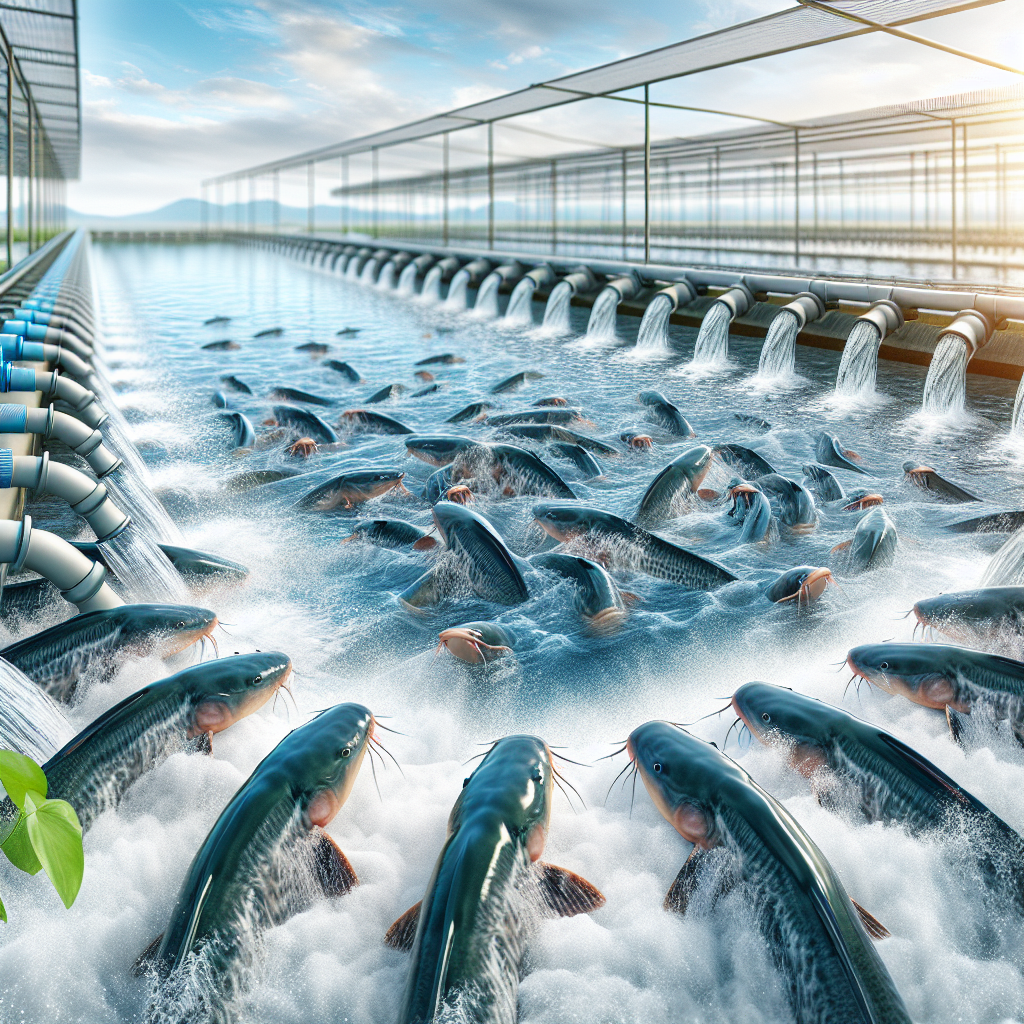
x: 712, y: 348
x: 778, y: 353
x: 652, y: 340
x: 331, y: 606
x: 143, y: 571
x: 386, y: 280
x: 858, y: 368
x: 945, y: 388
x: 487, y: 296
x: 369, y: 272
x: 31, y: 722
x: 519, y: 311
x: 458, y: 291
x: 431, y: 290
x: 352, y: 269
x: 601, y: 325
x: 556, y: 312
x: 407, y: 280
x: 1017, y: 423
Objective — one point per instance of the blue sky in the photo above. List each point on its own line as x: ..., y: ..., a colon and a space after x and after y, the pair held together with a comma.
x: 177, y: 90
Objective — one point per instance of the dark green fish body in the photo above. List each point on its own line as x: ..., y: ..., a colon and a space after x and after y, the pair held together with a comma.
x: 752, y: 509
x: 515, y: 381
x: 216, y: 320
x: 294, y: 791
x: 972, y: 615
x: 824, y: 483
x: 803, y: 911
x: 283, y: 394
x: 258, y: 478
x: 631, y: 547
x: 829, y: 452
x: 236, y: 385
x: 493, y: 572
x: 550, y: 432
x: 470, y: 412
x: 753, y: 421
x: 227, y: 345
x: 94, y: 770
x: 195, y: 566
x: 555, y: 417
x: 994, y: 522
x: 523, y: 473
x: 438, y: 484
x: 476, y: 643
x: 665, y: 414
x: 796, y: 504
x: 928, y: 480
x: 430, y: 389
x: 373, y: 422
x: 445, y: 359
x: 270, y: 332
x: 475, y: 918
x: 389, y: 391
x: 58, y: 657
x: 891, y: 781
x: 874, y: 542
x: 440, y: 449
x: 679, y: 480
x: 803, y: 584
x: 597, y: 597
x: 344, y: 369
x: 315, y: 348
x: 392, y: 533
x: 308, y: 424
x: 243, y: 434
x: 579, y: 457
x: 350, y: 489
x: 221, y: 401
x: 26, y: 597
x: 744, y: 460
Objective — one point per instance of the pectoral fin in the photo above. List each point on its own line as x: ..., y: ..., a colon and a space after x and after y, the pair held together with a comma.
x: 630, y: 599
x: 201, y: 744
x: 147, y: 958
x: 567, y: 894
x: 958, y: 723
x: 841, y: 547
x: 425, y: 544
x: 401, y: 934
x: 873, y: 926
x: 333, y: 870
x: 685, y: 885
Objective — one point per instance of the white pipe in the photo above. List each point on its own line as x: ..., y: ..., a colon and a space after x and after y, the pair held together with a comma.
x: 85, y: 496
x: 680, y: 293
x: 19, y: 419
x: 738, y: 299
x: 14, y: 346
x: 886, y: 316
x: 53, y: 385
x: 806, y: 307
x: 49, y: 335
x: 79, y: 579
x: 973, y: 327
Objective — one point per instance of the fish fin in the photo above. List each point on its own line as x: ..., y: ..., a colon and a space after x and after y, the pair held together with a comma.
x: 874, y: 927
x: 957, y: 724
x: 425, y: 544
x: 333, y: 870
x: 841, y: 546
x: 147, y: 958
x: 630, y: 598
x: 401, y: 934
x: 568, y: 894
x: 679, y: 892
x: 202, y: 744
x: 707, y: 494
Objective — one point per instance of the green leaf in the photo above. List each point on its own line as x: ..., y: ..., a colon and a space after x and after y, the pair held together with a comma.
x: 57, y: 840
x: 17, y: 848
x: 3, y: 912
x: 19, y: 774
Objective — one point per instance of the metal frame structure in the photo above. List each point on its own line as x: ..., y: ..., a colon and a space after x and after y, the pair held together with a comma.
x: 473, y: 204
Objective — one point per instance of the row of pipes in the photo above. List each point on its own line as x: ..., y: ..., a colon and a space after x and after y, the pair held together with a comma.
x: 51, y: 324
x: 975, y: 316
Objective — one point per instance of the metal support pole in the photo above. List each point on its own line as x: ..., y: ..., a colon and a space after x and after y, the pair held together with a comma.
x: 952, y: 197
x: 967, y: 214
x: 814, y: 165
x: 796, y: 195
x: 10, y: 159
x: 490, y: 184
x: 344, y: 197
x: 647, y: 174
x: 553, y: 186
x: 277, y: 202
x: 29, y: 206
x: 310, y: 197
x: 912, y: 183
x: 252, y: 205
x: 444, y: 210
x: 625, y: 214
x: 375, y: 182
x: 220, y: 205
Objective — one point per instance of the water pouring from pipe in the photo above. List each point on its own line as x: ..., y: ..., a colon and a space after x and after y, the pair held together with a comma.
x: 945, y: 388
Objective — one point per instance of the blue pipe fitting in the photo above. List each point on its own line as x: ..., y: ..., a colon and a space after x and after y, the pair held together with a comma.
x: 13, y: 419
x: 17, y: 378
x: 6, y: 467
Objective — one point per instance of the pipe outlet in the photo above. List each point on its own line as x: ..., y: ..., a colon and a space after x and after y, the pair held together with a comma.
x: 423, y: 263
x: 885, y: 315
x: 36, y: 316
x: 806, y: 307
x: 974, y: 327
x: 401, y: 260
x: 477, y: 270
x: 52, y: 385
x: 448, y: 267
x: 85, y: 496
x: 627, y: 286
x: 14, y: 347
x: 79, y: 579
x: 49, y: 335
x: 19, y: 419
x: 682, y: 293
x: 739, y: 298
x: 542, y: 276
x: 580, y: 280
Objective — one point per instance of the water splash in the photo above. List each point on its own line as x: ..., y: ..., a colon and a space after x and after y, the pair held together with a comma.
x: 144, y: 572
x: 858, y: 369
x: 1006, y: 568
x: 487, y: 296
x: 31, y: 722
x: 601, y: 325
x: 407, y: 280
x: 778, y: 353
x: 386, y: 281
x: 458, y: 290
x: 945, y: 388
x: 520, y: 304
x: 431, y: 291
x: 556, y: 313
x: 1017, y: 423
x: 652, y: 338
x: 713, y: 340
x: 369, y: 274
x: 352, y: 270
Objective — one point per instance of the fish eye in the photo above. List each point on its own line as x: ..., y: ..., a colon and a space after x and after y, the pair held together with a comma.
x: 346, y: 751
x: 883, y: 664
x: 657, y: 767
x: 537, y: 777
x: 256, y: 680
x: 766, y: 717
x: 179, y: 625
